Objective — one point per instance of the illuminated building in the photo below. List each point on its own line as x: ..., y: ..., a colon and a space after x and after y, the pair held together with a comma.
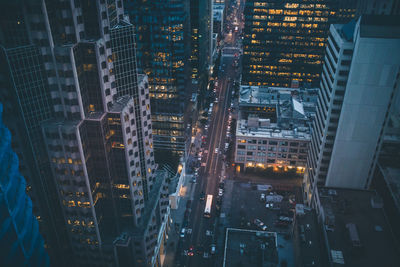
x: 95, y: 129
x: 20, y: 241
x: 359, y: 81
x: 273, y: 128
x: 161, y: 55
x: 201, y: 29
x: 285, y: 40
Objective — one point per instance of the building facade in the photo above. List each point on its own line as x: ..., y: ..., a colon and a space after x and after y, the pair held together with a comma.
x: 285, y: 40
x: 20, y: 240
x: 358, y: 86
x: 201, y: 28
x: 98, y: 134
x: 161, y: 55
x: 273, y: 127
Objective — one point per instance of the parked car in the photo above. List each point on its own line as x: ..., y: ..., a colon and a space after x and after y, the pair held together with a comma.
x: 221, y: 185
x: 216, y: 150
x: 260, y: 224
x: 183, y: 232
x: 213, y: 249
x: 262, y: 197
x: 285, y: 219
x: 220, y: 192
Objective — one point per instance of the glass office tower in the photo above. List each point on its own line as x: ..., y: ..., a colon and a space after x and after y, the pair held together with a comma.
x: 285, y: 40
x: 161, y: 56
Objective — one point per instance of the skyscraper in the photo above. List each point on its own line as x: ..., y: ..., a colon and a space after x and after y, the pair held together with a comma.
x: 20, y: 240
x: 98, y: 139
x: 201, y: 30
x: 285, y: 40
x: 26, y: 96
x: 359, y: 81
x: 161, y: 55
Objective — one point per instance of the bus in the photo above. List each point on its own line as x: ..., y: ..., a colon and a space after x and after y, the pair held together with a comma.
x: 207, y: 210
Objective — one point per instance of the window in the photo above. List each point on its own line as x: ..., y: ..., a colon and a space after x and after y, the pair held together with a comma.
x: 283, y: 143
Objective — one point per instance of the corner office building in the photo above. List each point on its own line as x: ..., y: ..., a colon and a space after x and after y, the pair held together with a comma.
x: 99, y: 143
x: 360, y: 81
x: 273, y: 128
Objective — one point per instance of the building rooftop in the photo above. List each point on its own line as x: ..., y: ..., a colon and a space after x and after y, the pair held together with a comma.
x: 275, y: 112
x: 346, y: 31
x: 380, y: 26
x: 256, y: 248
x: 392, y: 178
x: 218, y: 14
x: 357, y: 233
x: 308, y: 245
x: 272, y: 131
x: 120, y: 103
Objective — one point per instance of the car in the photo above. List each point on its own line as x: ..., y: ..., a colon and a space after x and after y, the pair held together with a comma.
x: 216, y: 150
x: 262, y: 197
x: 226, y: 146
x: 285, y: 219
x: 191, y: 251
x: 202, y: 196
x: 212, y: 249
x: 220, y: 192
x: 194, y: 179
x: 221, y: 185
x: 182, y: 235
x: 216, y: 100
x: 258, y: 222
x: 264, y: 228
x: 205, y: 255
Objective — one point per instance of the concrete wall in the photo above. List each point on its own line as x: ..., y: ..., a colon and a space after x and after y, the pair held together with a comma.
x: 373, y: 71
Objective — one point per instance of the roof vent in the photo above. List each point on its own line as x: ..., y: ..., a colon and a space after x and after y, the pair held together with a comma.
x: 376, y: 202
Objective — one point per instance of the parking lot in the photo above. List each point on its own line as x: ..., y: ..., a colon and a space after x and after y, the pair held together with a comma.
x: 246, y: 205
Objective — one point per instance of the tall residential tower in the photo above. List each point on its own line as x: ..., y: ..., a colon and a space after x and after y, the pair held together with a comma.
x: 360, y: 79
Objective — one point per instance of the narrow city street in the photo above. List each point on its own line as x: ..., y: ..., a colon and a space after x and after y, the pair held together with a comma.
x: 195, y: 248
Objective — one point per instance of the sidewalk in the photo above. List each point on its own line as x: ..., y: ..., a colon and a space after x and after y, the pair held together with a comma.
x: 177, y: 217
